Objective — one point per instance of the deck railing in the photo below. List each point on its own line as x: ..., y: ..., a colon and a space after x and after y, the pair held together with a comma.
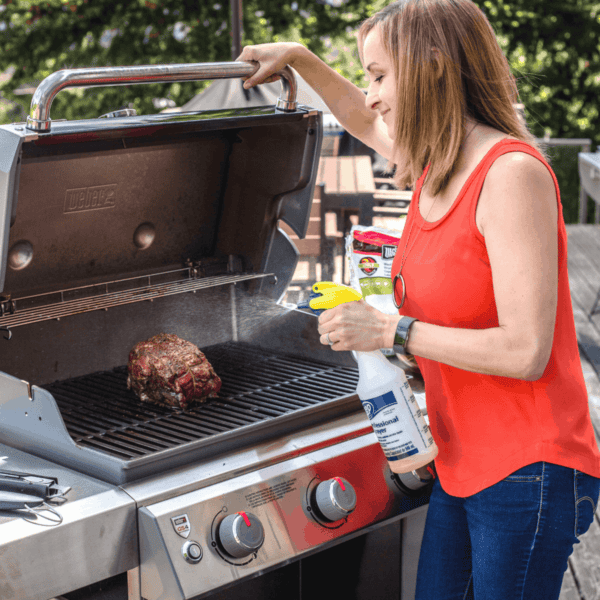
x: 586, y: 146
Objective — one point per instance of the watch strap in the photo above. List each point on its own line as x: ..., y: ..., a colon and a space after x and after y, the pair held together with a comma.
x: 402, y: 331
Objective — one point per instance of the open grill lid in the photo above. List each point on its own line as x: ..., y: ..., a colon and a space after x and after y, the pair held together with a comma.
x: 108, y: 204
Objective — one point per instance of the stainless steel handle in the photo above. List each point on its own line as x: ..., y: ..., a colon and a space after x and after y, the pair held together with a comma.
x: 39, y: 113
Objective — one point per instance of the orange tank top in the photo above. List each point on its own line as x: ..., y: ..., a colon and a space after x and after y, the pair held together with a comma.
x: 487, y: 426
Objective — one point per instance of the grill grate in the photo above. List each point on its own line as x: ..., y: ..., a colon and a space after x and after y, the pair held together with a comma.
x: 101, y: 413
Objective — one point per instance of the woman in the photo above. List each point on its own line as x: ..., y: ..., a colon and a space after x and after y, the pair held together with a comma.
x: 481, y: 281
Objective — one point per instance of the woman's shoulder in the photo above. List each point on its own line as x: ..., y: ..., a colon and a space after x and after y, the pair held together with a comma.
x: 510, y: 164
x: 513, y: 180
x: 519, y: 164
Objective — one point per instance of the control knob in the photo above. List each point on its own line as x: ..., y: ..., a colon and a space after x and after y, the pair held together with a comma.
x: 335, y: 498
x: 241, y: 534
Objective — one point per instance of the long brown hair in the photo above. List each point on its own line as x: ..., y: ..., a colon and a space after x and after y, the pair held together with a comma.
x: 470, y: 77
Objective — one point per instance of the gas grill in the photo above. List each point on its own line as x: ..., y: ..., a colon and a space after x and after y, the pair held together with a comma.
x: 114, y: 230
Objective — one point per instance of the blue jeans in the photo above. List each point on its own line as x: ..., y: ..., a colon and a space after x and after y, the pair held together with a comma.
x: 510, y: 541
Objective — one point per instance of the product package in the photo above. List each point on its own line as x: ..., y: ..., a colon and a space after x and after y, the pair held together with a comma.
x: 370, y: 253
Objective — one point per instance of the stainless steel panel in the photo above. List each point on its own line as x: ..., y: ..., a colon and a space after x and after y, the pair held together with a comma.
x: 280, y: 497
x: 227, y: 466
x: 96, y: 540
x: 293, y: 205
x: 412, y: 536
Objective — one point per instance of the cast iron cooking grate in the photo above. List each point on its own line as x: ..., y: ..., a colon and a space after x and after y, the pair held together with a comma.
x: 101, y: 413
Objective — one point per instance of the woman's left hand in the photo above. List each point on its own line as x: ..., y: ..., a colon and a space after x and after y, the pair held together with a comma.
x: 357, y: 326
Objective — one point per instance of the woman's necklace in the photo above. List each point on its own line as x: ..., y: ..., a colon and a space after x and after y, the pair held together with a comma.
x: 406, y: 249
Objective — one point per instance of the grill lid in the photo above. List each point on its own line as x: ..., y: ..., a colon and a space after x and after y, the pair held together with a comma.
x: 97, y: 202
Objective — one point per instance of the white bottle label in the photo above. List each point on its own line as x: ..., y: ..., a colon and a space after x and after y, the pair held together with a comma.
x: 398, y: 423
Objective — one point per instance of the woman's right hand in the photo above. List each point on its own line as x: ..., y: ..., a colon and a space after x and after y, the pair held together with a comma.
x: 272, y: 58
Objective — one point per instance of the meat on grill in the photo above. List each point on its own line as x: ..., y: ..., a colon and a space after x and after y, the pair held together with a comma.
x: 168, y: 370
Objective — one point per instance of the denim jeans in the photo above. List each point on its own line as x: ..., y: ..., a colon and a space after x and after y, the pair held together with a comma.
x: 510, y: 541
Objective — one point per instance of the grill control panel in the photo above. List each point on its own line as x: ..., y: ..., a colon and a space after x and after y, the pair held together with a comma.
x: 255, y: 521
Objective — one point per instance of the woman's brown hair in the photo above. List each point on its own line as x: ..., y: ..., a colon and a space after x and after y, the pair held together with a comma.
x: 470, y: 77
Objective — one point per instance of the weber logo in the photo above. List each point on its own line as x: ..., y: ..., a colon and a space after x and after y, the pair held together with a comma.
x: 388, y: 251
x: 90, y: 198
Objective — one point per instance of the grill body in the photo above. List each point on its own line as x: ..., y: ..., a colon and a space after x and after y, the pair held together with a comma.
x: 112, y: 231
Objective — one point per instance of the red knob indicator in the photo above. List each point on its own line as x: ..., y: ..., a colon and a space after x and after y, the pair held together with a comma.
x: 335, y: 499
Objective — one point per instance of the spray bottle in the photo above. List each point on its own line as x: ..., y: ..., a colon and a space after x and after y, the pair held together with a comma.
x: 384, y: 392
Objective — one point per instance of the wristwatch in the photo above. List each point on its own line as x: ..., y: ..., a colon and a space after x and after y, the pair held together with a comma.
x: 402, y: 331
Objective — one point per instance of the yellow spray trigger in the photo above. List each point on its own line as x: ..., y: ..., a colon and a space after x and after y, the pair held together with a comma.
x: 332, y: 294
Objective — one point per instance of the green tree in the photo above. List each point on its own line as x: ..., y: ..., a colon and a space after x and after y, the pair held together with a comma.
x: 553, y: 47
x: 39, y: 37
x: 554, y: 50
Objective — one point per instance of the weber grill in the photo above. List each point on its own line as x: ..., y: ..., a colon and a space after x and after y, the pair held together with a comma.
x: 115, y: 230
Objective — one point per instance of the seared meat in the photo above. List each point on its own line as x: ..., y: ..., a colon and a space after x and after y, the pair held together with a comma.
x: 168, y: 370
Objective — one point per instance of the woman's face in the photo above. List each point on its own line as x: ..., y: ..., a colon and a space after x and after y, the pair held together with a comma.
x: 381, y: 95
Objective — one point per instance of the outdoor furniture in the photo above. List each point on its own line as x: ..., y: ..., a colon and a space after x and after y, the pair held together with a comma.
x: 390, y: 202
x: 347, y: 187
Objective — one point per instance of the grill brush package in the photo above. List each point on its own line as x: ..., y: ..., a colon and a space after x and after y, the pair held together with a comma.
x: 370, y: 252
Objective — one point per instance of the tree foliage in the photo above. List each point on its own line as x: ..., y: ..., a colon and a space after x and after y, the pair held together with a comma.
x: 38, y: 37
x: 553, y: 47
x: 554, y: 50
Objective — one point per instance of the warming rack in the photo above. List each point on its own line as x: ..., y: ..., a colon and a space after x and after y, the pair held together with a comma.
x: 54, y: 305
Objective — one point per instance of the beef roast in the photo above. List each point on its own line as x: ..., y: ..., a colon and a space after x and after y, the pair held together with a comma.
x: 168, y: 370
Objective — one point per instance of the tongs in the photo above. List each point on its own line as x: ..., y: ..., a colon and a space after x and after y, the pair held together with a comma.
x: 31, y: 493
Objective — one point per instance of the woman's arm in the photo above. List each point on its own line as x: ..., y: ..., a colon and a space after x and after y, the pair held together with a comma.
x: 345, y: 100
x: 519, y: 216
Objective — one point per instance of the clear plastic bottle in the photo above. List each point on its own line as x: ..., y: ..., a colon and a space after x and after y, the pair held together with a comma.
x: 396, y: 418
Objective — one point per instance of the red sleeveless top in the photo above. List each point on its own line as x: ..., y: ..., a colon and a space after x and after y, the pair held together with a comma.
x: 486, y: 426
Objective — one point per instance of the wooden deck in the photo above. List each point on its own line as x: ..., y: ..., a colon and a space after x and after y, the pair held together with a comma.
x: 582, y: 579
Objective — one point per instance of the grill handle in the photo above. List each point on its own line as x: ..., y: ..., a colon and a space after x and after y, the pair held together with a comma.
x: 39, y: 113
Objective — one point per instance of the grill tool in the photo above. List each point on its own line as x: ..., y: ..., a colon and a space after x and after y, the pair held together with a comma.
x: 25, y: 483
x: 38, y: 485
x: 16, y: 501
x: 31, y: 493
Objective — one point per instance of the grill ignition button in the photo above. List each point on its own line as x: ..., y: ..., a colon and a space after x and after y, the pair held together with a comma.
x: 192, y: 552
